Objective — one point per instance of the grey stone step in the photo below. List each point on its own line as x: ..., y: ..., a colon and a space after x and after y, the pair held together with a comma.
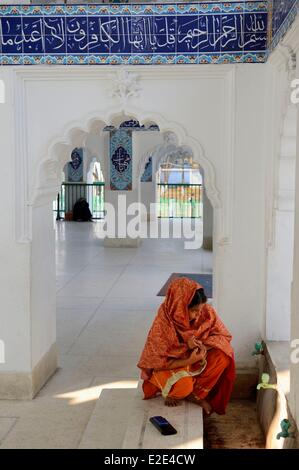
x: 109, y: 419
x: 141, y: 434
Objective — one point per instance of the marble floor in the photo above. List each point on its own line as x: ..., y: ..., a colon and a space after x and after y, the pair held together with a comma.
x: 106, y: 301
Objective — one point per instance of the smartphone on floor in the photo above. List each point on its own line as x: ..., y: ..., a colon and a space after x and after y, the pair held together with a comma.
x: 163, y: 425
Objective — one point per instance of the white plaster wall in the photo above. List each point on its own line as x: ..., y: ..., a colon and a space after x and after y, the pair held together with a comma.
x: 43, y: 282
x: 218, y: 111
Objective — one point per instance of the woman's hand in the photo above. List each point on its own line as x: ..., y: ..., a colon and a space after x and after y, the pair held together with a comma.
x: 197, y: 355
x: 194, y: 343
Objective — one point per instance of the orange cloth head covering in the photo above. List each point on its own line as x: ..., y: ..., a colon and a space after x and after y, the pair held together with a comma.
x: 171, y: 329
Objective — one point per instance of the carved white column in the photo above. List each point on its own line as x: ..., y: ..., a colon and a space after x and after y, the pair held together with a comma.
x: 280, y: 255
x: 294, y: 395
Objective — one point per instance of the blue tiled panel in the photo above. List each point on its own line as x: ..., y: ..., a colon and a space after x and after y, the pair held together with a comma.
x: 283, y: 14
x: 75, y: 167
x: 195, y: 33
x: 121, y: 160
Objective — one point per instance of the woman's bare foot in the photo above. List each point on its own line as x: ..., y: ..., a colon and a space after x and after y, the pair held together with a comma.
x: 203, y: 403
x: 172, y: 402
x: 205, y: 406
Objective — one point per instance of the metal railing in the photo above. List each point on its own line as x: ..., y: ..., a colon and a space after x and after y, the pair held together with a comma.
x: 70, y: 192
x: 179, y: 200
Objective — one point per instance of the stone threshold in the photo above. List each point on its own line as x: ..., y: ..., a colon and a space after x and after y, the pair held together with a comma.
x: 187, y: 419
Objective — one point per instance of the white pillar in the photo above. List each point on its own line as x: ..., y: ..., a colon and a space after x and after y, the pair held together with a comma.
x: 280, y: 256
x: 207, y: 222
x: 294, y: 395
x: 27, y: 321
x: 121, y: 200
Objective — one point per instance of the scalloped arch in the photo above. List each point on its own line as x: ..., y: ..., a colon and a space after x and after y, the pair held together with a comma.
x: 48, y: 176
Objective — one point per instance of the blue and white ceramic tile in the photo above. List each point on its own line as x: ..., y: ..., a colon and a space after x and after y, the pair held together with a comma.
x: 283, y: 15
x: 256, y: 7
x: 211, y: 32
x: 76, y: 10
x: 121, y: 160
x: 31, y: 10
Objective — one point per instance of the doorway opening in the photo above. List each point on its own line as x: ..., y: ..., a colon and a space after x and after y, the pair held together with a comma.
x: 83, y: 181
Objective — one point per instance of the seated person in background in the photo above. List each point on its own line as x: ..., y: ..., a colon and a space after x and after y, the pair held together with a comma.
x: 187, y: 354
x: 81, y: 211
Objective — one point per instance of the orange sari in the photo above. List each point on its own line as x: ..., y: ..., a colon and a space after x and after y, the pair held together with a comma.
x: 167, y: 340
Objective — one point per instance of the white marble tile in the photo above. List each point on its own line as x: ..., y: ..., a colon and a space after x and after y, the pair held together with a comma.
x: 116, y: 367
x: 109, y: 421
x: 89, y: 286
x: 128, y: 303
x: 72, y: 363
x: 66, y: 301
x: 51, y: 424
x: 6, y: 425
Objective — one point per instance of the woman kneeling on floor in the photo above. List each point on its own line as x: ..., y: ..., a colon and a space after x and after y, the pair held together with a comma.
x: 187, y: 354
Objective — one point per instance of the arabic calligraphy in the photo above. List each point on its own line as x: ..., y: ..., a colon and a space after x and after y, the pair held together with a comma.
x: 172, y: 34
x: 121, y: 159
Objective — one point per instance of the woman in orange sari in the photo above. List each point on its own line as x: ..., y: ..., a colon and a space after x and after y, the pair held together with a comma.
x: 187, y: 354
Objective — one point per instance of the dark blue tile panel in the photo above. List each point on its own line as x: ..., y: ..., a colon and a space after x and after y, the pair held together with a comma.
x: 12, y: 44
x: 255, y: 41
x: 55, y: 44
x: 156, y: 34
x: 11, y: 25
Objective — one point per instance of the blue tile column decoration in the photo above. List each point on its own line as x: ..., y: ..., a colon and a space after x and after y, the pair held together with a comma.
x: 121, y: 160
x: 75, y: 167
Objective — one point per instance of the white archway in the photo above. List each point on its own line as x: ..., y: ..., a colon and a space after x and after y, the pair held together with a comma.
x: 42, y: 183
x: 47, y: 177
x: 159, y: 154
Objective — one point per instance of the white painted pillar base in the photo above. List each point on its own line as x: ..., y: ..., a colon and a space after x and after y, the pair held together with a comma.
x: 25, y: 385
